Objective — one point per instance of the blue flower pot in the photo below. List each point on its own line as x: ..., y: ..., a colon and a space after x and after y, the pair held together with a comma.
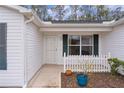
x: 82, y: 80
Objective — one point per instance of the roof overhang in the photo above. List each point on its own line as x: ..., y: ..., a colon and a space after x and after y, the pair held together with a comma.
x: 112, y: 23
x: 75, y: 25
x: 82, y: 27
x: 29, y: 13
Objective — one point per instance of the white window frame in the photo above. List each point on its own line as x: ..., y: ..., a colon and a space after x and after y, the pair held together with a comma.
x: 80, y: 45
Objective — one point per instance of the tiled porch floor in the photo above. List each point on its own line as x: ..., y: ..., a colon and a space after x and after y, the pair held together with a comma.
x: 48, y: 76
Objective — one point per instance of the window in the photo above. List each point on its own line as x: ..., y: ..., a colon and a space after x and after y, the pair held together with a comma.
x: 80, y: 45
x: 3, y: 54
x: 74, y: 45
x: 86, y: 45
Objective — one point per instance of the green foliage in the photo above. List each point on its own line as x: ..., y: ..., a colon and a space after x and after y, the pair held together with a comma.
x: 77, y: 12
x: 115, y: 63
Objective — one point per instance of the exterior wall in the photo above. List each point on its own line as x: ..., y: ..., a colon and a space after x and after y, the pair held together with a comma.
x: 60, y: 43
x: 33, y: 51
x: 14, y: 75
x: 113, y: 42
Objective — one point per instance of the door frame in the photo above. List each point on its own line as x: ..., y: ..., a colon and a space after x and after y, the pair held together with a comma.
x: 45, y: 48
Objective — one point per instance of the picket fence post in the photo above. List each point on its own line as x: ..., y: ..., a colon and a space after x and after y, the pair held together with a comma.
x: 109, y: 56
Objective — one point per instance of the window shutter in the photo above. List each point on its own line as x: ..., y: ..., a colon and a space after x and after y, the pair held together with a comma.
x: 65, y: 44
x: 96, y: 44
x: 3, y: 54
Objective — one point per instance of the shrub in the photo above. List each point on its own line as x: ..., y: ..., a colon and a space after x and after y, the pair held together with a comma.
x: 115, y: 63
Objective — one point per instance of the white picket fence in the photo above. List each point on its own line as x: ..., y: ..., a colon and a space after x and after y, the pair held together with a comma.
x: 87, y: 63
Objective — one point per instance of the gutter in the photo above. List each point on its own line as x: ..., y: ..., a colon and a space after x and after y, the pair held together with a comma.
x: 28, y: 13
x: 32, y: 16
x: 110, y: 24
x: 30, y: 20
x: 118, y: 22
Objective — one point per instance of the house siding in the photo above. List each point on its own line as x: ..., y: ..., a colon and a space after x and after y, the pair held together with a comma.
x: 14, y: 75
x: 33, y: 50
x: 113, y: 42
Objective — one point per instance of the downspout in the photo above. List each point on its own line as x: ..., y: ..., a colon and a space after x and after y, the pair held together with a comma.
x: 25, y: 62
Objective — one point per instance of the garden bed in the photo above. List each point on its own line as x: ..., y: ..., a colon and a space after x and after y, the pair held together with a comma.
x: 96, y: 80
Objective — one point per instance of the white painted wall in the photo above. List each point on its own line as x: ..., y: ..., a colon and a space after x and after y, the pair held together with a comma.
x: 14, y: 75
x: 114, y: 42
x: 33, y: 51
x: 24, y: 49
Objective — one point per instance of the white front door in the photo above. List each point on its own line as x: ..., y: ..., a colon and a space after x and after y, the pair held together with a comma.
x: 51, y: 49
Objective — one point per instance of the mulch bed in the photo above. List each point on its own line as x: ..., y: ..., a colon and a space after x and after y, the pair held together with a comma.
x: 96, y: 80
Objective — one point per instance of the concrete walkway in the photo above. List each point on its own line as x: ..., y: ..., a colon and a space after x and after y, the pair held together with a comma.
x: 48, y: 76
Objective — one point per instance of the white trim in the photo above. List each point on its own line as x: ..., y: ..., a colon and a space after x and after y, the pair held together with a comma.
x: 104, y: 24
x: 68, y: 45
x: 56, y: 49
x: 75, y: 29
x: 23, y: 49
x: 76, y: 25
x: 93, y: 45
x: 80, y: 44
x: 99, y: 44
x: 25, y: 57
